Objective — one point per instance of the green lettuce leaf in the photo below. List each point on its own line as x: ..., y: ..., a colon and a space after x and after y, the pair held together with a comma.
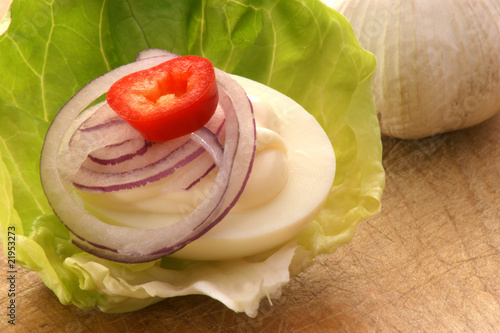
x: 301, y: 48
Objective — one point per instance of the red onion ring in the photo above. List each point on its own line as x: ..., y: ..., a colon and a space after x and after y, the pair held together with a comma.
x: 128, y: 166
x: 158, y: 161
x: 127, y: 244
x: 113, y: 154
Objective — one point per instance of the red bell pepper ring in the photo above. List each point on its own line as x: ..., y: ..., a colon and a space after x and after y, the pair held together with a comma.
x: 169, y: 100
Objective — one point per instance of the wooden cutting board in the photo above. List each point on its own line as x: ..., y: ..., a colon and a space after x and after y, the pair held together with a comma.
x: 429, y: 262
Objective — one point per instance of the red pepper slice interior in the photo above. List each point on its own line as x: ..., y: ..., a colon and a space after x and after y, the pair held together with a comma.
x: 169, y: 100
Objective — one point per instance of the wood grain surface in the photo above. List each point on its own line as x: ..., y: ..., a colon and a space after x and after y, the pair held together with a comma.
x: 429, y: 262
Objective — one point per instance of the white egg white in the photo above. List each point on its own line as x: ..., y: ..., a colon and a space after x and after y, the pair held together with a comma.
x: 311, y: 170
x: 292, y: 175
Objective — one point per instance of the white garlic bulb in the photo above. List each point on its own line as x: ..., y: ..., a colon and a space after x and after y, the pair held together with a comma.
x: 438, y: 62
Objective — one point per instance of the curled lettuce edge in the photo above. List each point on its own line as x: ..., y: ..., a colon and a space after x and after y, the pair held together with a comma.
x: 86, y: 281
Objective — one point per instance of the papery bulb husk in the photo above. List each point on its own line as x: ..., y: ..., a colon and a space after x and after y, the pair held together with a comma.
x: 438, y: 62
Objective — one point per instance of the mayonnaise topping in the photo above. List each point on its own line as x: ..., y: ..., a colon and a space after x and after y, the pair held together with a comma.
x: 270, y: 168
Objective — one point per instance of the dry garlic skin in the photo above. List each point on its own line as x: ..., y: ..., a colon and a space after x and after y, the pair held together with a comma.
x: 438, y: 62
